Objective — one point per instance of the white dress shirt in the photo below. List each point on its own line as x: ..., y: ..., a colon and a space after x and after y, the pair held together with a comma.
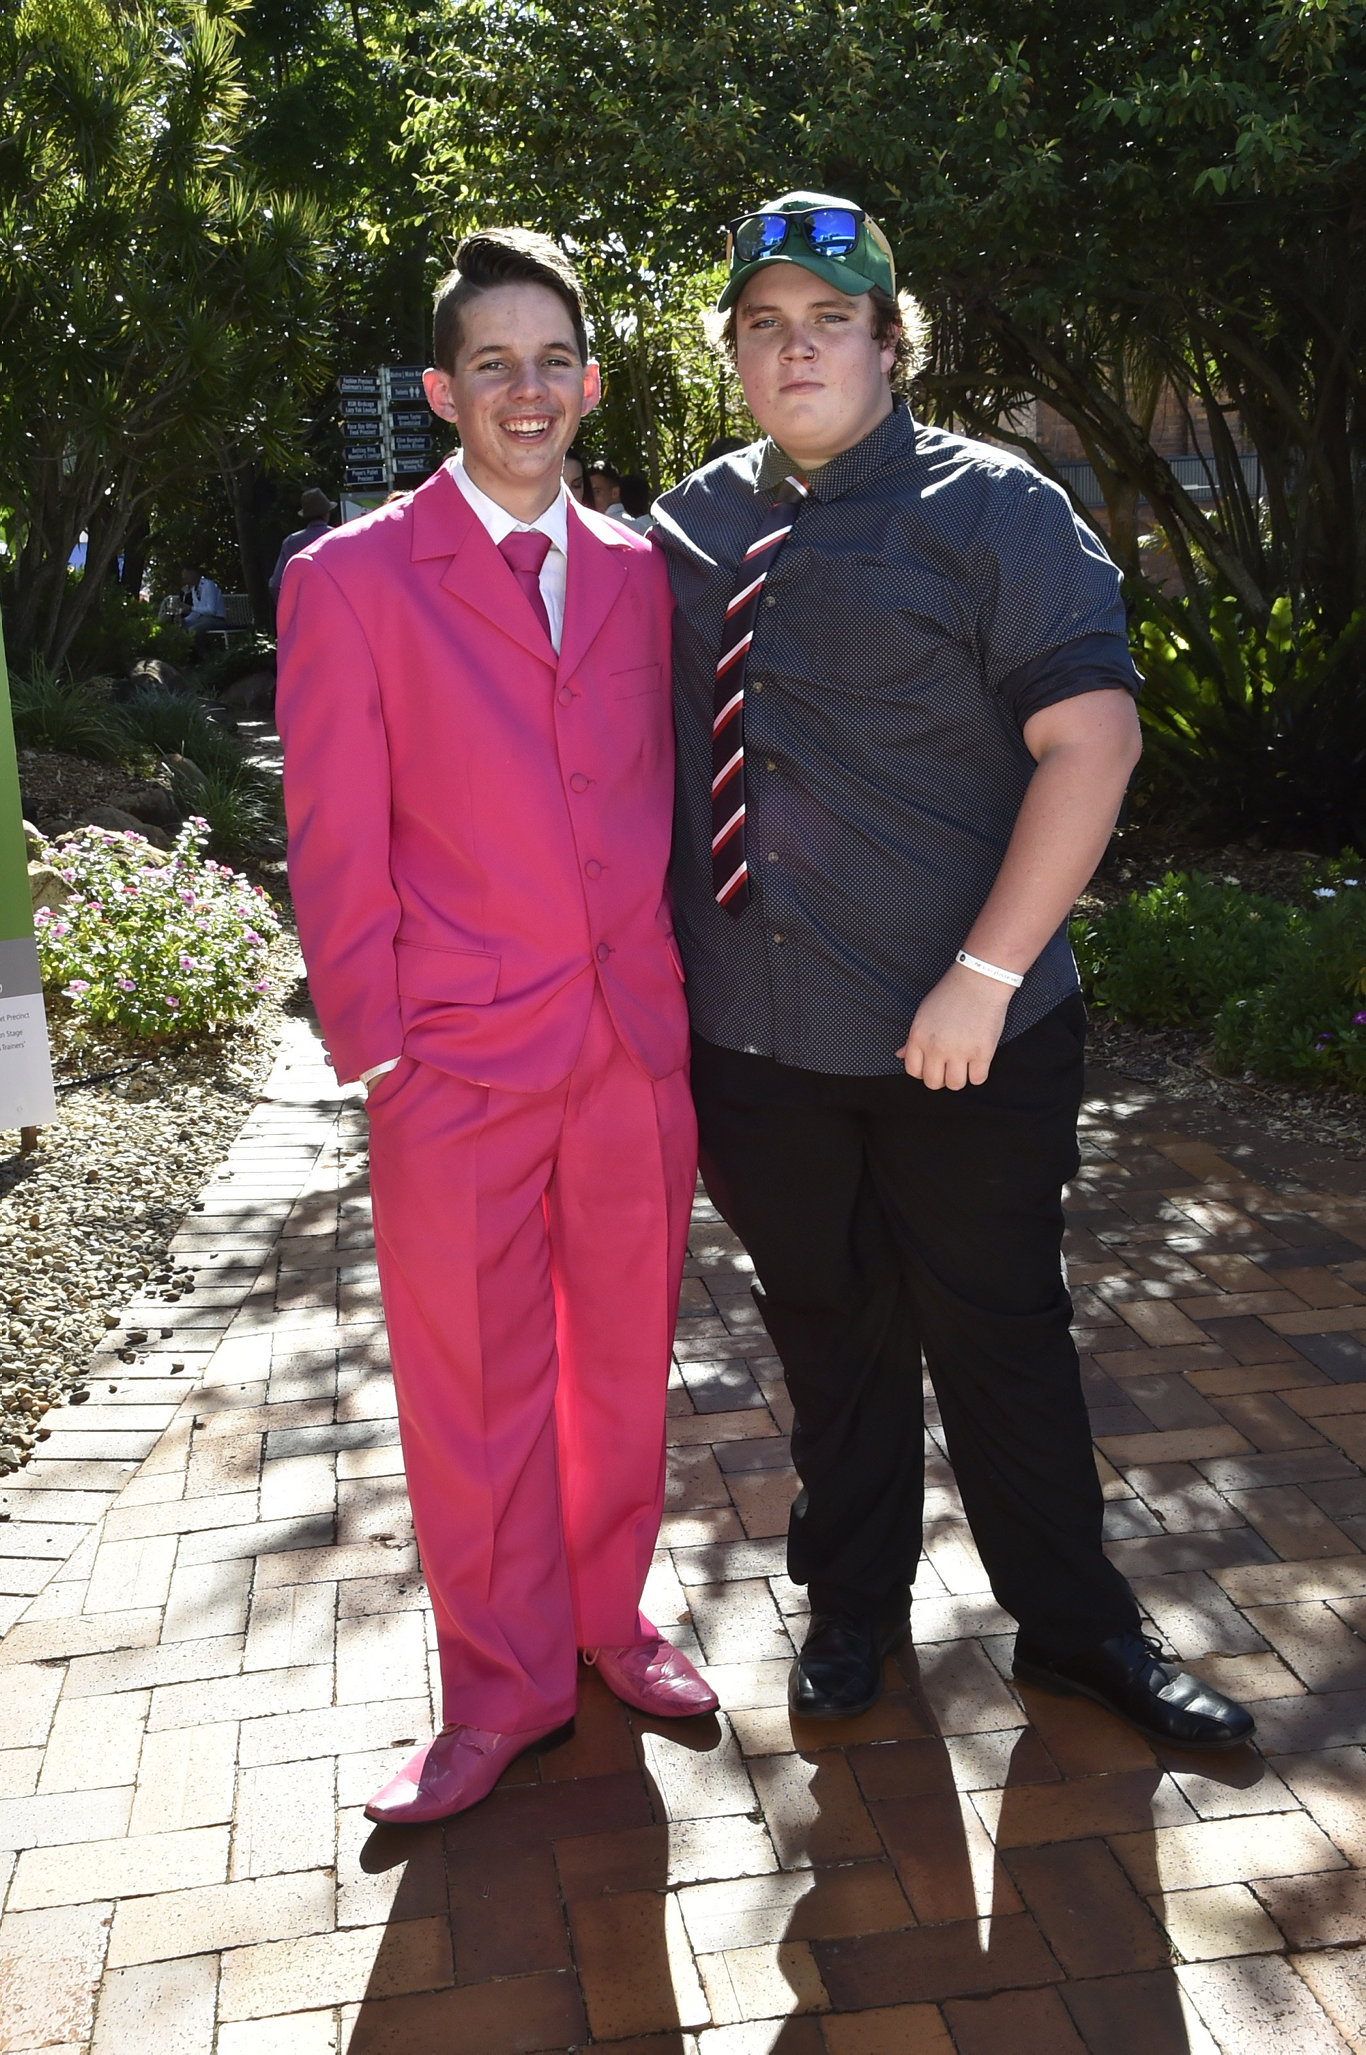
x: 554, y: 523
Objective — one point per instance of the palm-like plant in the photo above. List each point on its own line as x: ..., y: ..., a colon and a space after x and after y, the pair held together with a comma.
x: 155, y: 306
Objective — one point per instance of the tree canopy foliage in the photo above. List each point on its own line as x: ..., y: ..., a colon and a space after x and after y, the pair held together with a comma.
x: 1092, y: 202
x: 160, y: 309
x: 208, y: 207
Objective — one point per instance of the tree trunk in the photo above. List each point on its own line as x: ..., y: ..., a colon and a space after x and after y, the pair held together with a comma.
x: 135, y: 557
x: 252, y: 501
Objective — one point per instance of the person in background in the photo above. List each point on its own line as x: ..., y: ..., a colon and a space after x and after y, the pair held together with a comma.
x: 315, y: 511
x: 634, y: 509
x: 604, y: 486
x: 203, y: 603
x: 722, y: 446
x: 905, y: 715
x: 576, y: 476
x: 478, y: 770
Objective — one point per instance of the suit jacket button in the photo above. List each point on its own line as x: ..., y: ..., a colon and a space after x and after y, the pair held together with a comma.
x: 593, y: 867
x: 578, y: 783
x: 565, y: 696
x: 604, y: 952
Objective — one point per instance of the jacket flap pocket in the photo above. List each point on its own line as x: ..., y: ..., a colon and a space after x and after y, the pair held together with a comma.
x: 460, y: 975
x: 640, y: 678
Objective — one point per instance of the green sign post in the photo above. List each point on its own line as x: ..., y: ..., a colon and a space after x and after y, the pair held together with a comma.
x: 26, y: 1097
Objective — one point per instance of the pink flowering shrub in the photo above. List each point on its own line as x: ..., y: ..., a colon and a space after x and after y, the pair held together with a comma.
x: 153, y: 945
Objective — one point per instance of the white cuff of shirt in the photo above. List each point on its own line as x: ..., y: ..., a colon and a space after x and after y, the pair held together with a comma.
x: 367, y: 1077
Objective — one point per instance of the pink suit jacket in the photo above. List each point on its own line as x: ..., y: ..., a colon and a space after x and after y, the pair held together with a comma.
x: 478, y: 830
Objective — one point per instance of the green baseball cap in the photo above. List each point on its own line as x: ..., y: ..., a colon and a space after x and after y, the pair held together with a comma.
x: 833, y: 239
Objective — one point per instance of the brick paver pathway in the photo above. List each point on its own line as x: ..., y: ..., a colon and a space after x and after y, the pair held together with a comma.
x: 219, y: 1646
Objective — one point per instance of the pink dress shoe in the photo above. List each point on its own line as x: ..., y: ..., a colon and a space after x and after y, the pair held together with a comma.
x: 654, y: 1677
x: 452, y: 1773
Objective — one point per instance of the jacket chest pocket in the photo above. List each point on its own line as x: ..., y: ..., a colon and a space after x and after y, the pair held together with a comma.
x: 635, y: 682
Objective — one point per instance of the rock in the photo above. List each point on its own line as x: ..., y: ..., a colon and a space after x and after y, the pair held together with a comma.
x: 151, y: 802
x: 113, y: 817
x: 33, y: 841
x: 253, y: 694
x: 188, y: 781
x: 152, y: 842
x: 47, y: 887
x: 154, y: 671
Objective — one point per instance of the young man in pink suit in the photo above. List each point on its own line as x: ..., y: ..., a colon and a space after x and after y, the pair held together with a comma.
x: 474, y: 700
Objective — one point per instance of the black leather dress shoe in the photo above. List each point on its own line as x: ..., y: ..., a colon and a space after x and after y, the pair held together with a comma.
x: 839, y: 1671
x: 1130, y: 1676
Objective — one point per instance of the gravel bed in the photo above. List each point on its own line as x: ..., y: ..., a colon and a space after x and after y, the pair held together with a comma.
x: 56, y: 789
x: 86, y: 1220
x: 1176, y: 1061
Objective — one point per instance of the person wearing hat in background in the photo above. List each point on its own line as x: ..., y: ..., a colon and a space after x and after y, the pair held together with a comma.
x: 905, y: 716
x: 315, y: 511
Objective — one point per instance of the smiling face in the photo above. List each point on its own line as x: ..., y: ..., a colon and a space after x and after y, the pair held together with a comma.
x: 517, y: 392
x: 814, y: 376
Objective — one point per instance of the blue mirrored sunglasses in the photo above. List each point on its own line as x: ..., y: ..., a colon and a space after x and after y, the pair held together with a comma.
x: 829, y: 232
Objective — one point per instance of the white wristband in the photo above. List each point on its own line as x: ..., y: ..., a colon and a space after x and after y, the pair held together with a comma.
x: 990, y: 970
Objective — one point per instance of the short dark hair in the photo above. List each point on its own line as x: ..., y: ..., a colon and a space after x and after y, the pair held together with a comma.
x: 636, y: 494
x: 502, y: 256
x: 600, y: 468
x: 723, y: 446
x: 902, y: 316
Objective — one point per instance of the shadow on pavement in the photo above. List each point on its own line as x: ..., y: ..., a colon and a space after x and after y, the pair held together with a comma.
x: 648, y: 1880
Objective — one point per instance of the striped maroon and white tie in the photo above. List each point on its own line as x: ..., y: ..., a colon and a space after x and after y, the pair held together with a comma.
x: 729, y: 869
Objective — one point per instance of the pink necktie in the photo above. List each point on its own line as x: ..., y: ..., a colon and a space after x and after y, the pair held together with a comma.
x: 524, y: 554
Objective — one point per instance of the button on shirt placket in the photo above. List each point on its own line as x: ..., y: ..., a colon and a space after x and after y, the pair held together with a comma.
x: 771, y: 901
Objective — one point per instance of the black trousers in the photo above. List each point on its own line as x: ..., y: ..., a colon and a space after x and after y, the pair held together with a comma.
x: 885, y: 1220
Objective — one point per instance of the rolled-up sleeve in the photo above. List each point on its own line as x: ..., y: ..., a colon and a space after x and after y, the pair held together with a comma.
x: 1052, y: 623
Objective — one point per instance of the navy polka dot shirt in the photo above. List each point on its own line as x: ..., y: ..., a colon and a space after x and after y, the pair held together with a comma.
x: 933, y: 594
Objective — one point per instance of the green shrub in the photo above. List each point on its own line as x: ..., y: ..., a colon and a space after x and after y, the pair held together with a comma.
x: 123, y: 629
x: 239, y: 802
x: 238, y: 660
x: 242, y: 807
x: 150, y: 946
x: 1282, y: 987
x: 1307, y: 1023
x: 174, y: 724
x: 1171, y: 956
x: 53, y: 710
x: 1254, y: 730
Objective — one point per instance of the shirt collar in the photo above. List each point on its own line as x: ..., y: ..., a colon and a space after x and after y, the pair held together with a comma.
x: 893, y: 438
x: 554, y: 522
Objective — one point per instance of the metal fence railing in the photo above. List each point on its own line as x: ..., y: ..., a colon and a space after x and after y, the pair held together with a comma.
x: 1197, y: 476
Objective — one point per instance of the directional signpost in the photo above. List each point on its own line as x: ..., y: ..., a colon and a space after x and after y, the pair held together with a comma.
x: 386, y: 431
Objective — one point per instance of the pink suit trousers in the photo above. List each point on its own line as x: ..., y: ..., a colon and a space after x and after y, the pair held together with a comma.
x: 530, y: 1250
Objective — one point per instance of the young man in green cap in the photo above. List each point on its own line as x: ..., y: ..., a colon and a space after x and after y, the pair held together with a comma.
x: 905, y: 713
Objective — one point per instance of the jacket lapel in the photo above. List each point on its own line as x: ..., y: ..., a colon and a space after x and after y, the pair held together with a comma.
x: 597, y: 573
x: 445, y: 525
